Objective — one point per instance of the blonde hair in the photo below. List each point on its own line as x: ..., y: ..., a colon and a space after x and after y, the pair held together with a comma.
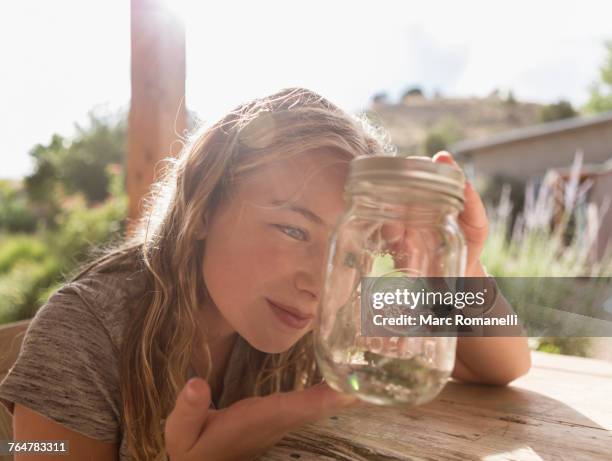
x: 160, y: 341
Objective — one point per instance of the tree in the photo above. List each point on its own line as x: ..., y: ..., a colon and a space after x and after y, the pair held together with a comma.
x: 78, y: 164
x: 510, y: 98
x: 380, y: 98
x: 556, y: 111
x: 412, y: 91
x: 434, y: 142
x: 601, y: 91
x: 442, y: 136
x: 15, y: 213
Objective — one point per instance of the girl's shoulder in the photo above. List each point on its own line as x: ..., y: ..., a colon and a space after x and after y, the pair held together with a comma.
x: 68, y: 365
x: 107, y: 298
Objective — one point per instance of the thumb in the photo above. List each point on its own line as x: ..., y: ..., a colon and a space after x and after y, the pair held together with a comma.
x: 185, y: 422
x: 312, y: 404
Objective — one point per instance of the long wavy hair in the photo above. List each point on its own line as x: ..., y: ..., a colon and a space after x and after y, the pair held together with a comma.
x: 163, y: 334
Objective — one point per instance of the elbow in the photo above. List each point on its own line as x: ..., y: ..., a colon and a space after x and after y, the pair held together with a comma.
x: 520, y: 368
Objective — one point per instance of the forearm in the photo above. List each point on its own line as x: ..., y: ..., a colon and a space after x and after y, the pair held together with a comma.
x: 492, y: 359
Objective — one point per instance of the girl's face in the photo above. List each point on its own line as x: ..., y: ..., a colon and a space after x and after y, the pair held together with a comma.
x: 265, y: 250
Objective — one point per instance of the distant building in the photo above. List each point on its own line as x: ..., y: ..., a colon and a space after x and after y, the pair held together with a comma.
x: 532, y: 151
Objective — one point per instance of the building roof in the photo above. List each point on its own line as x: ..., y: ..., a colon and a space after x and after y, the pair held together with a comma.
x: 543, y: 129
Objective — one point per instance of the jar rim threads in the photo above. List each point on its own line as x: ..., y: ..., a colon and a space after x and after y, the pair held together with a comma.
x: 414, y: 171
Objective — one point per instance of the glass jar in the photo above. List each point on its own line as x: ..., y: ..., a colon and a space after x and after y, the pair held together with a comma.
x: 401, y: 221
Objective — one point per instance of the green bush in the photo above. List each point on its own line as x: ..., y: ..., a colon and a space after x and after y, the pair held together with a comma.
x: 21, y: 289
x: 557, y: 111
x: 15, y: 213
x: 601, y: 90
x: 33, y: 266
x: 441, y: 136
x: 78, y: 164
x: 19, y: 248
x: 435, y: 142
x: 83, y: 227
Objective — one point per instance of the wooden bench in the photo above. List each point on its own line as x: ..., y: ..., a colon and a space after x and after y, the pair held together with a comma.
x: 11, y: 337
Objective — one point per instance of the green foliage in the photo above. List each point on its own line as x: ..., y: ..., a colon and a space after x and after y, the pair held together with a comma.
x: 413, y: 91
x: 380, y: 98
x: 15, y: 212
x: 557, y: 111
x: 22, y: 287
x: 601, y: 91
x: 441, y: 136
x: 77, y: 165
x: 83, y: 226
x: 536, y: 245
x: 73, y: 202
x: 33, y: 266
x: 435, y: 142
x: 569, y: 346
x: 19, y: 248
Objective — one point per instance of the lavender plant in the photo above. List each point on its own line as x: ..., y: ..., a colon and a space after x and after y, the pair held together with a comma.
x: 555, y: 235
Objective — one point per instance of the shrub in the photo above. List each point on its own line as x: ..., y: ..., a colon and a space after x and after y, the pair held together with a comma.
x: 33, y: 266
x: 557, y: 111
x: 21, y: 289
x: 21, y: 248
x: 15, y: 213
x: 538, y: 245
x: 441, y: 136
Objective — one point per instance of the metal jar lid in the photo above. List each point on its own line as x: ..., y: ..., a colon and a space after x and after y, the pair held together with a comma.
x: 413, y: 171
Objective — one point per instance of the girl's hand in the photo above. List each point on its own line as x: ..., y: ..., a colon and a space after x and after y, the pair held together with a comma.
x: 473, y: 220
x: 245, y: 429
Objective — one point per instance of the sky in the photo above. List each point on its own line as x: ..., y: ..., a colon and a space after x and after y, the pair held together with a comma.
x: 61, y: 59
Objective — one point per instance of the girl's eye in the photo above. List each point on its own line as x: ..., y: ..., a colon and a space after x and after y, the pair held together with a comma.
x: 293, y: 232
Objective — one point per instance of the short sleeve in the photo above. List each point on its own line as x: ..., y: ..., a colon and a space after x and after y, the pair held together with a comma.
x: 67, y: 369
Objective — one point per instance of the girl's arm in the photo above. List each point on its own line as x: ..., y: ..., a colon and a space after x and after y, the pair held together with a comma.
x: 30, y: 425
x: 491, y: 360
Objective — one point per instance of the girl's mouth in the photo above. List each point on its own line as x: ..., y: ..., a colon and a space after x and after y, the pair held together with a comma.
x: 290, y: 316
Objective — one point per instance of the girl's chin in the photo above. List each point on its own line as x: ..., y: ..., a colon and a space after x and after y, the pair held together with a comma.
x: 273, y: 346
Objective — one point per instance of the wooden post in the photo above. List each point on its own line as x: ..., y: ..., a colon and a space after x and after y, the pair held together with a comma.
x: 157, y: 111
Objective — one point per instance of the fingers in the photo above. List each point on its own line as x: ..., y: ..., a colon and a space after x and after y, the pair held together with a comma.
x: 474, y: 214
x: 286, y: 410
x: 253, y: 425
x: 315, y: 403
x: 185, y: 422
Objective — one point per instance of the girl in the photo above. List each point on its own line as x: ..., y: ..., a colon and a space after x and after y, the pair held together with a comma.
x: 220, y: 284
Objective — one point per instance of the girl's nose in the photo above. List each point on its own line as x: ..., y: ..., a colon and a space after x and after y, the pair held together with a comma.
x: 310, y: 273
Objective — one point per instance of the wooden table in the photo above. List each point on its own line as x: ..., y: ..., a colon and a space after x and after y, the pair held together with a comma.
x: 561, y: 410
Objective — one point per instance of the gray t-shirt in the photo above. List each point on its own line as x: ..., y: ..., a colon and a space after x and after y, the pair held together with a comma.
x: 68, y: 366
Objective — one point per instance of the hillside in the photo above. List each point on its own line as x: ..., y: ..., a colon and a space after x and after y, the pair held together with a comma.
x: 410, y: 121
